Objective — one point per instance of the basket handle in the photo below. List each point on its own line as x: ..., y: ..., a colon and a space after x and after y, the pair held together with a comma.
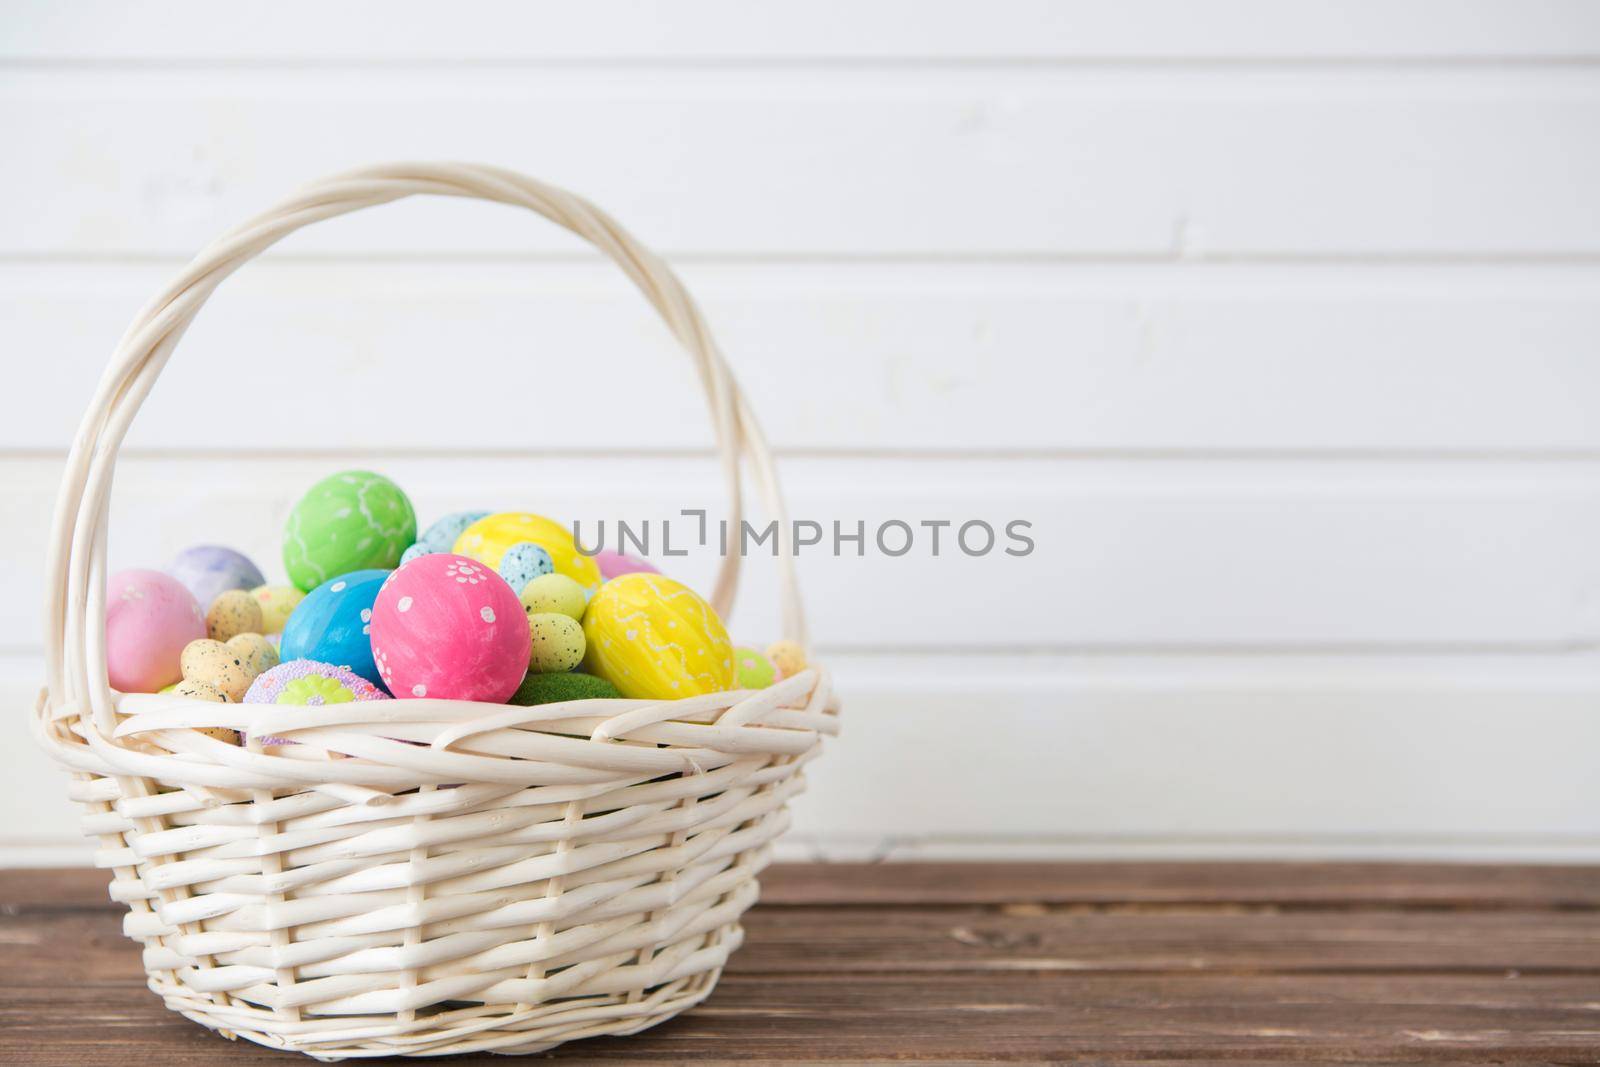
x: 76, y: 574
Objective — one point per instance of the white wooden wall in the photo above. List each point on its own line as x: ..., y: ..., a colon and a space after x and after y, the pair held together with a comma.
x: 1280, y: 322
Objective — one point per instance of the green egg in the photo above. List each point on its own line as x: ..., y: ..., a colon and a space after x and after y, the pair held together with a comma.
x: 555, y: 593
x: 350, y: 521
x: 554, y: 688
x: 753, y: 670
x: 557, y: 642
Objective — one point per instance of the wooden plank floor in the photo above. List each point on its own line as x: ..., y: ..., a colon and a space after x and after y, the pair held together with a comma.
x: 1015, y: 962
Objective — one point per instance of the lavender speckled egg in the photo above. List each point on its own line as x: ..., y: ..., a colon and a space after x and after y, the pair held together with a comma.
x: 522, y: 563
x: 331, y: 623
x: 612, y: 564
x: 448, y: 626
x: 307, y: 682
x: 208, y: 571
x: 150, y: 617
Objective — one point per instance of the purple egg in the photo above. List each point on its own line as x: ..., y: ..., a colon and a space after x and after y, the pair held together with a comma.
x: 208, y: 571
x: 612, y: 564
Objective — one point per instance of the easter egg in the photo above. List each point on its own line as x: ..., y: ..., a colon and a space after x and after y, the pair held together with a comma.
x: 307, y: 682
x: 234, y: 612
x: 277, y: 603
x: 448, y: 626
x: 522, y: 563
x: 215, y: 664
x: 351, y: 521
x: 208, y: 571
x: 150, y: 617
x: 441, y: 535
x: 418, y: 549
x: 654, y: 638
x: 203, y: 691
x: 753, y: 670
x: 555, y: 592
x: 788, y: 657
x: 557, y: 643
x: 612, y: 564
x: 568, y: 685
x: 256, y: 651
x: 488, y: 539
x: 331, y: 623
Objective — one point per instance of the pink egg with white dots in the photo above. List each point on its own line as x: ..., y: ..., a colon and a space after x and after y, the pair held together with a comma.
x: 447, y: 626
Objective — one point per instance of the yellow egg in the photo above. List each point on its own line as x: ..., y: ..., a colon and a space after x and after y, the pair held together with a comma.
x: 557, y: 643
x: 256, y: 651
x: 487, y: 540
x: 219, y: 666
x: 788, y: 657
x: 277, y: 604
x: 656, y: 639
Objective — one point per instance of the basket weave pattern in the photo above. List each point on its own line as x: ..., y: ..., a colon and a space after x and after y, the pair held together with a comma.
x: 478, y: 877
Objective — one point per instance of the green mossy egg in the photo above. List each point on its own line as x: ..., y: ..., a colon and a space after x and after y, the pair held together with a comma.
x: 350, y: 521
x: 554, y: 688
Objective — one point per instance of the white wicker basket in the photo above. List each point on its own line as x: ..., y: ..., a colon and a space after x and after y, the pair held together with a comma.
x: 512, y: 877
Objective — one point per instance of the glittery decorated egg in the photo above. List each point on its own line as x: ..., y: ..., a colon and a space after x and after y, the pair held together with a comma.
x: 277, y: 604
x: 654, y: 638
x: 351, y: 521
x: 488, y: 539
x: 234, y: 612
x: 522, y: 563
x: 788, y: 657
x: 441, y: 535
x: 331, y: 623
x: 215, y: 664
x: 150, y: 617
x: 557, y: 643
x: 307, y: 682
x: 753, y: 670
x: 256, y: 651
x: 448, y: 626
x: 208, y: 571
x: 612, y: 564
x: 555, y: 592
x: 568, y: 685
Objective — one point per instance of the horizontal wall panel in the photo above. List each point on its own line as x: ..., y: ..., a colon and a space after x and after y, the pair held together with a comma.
x: 1126, y: 555
x: 1151, y: 756
x: 842, y: 357
x: 1170, y: 164
x: 370, y: 31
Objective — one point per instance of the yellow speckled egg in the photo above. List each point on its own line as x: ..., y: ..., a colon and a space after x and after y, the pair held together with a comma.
x: 788, y: 657
x: 277, y: 604
x: 206, y: 691
x: 487, y: 540
x: 256, y: 651
x: 217, y: 665
x: 555, y: 592
x: 656, y: 639
x: 557, y: 642
x: 234, y: 612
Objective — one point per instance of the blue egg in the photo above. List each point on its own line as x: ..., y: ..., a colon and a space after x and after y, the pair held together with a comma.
x: 522, y: 563
x: 418, y: 549
x: 330, y: 624
x: 441, y: 536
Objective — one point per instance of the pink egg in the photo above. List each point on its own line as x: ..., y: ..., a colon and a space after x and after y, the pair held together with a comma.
x: 448, y: 626
x: 612, y: 564
x: 150, y: 616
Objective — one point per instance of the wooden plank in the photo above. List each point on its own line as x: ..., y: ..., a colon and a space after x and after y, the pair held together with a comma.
x: 722, y: 30
x: 940, y: 358
x: 1156, y: 556
x: 1172, y: 164
x: 1407, y: 886
x: 944, y: 1017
